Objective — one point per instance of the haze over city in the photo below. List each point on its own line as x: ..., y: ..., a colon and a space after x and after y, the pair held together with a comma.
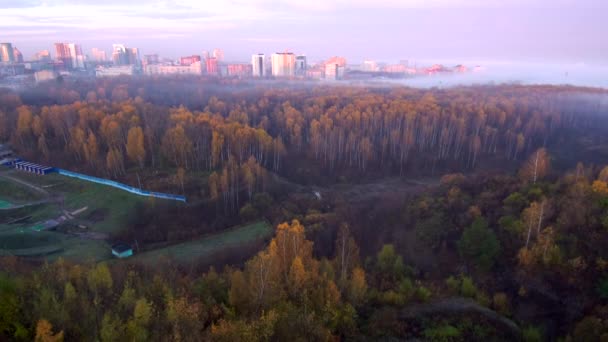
x: 557, y: 31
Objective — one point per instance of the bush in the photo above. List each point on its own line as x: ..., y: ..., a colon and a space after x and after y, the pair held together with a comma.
x: 500, y: 302
x: 453, y: 285
x: 602, y: 288
x: 248, y: 212
x: 423, y: 294
x: 442, y: 333
x: 468, y: 288
x: 532, y: 334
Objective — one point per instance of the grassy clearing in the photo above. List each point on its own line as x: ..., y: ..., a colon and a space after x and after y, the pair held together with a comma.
x: 208, y: 246
x: 116, y: 205
x: 52, y: 245
x: 10, y: 191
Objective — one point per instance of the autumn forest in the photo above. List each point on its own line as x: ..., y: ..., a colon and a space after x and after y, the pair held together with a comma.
x: 442, y: 214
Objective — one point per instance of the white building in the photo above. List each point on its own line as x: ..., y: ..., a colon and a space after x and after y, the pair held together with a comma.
x: 195, y: 68
x: 369, y: 65
x: 258, y: 63
x: 283, y: 64
x: 44, y: 75
x: 114, y: 71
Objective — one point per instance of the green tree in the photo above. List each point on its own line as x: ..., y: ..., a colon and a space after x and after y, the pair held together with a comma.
x: 479, y: 244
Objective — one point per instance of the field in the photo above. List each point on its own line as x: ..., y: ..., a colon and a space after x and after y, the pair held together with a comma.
x: 192, y: 251
x: 30, y: 201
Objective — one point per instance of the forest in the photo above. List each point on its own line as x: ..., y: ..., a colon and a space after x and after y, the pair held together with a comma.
x: 456, y: 214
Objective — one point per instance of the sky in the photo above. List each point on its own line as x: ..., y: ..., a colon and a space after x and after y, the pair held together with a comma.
x: 541, y: 31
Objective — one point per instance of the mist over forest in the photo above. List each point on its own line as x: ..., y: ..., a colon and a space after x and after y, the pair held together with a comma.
x: 318, y: 210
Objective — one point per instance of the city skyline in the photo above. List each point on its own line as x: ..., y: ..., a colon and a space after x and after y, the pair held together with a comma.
x: 388, y: 30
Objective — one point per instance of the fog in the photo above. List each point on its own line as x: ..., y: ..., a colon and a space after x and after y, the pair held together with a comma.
x: 523, y: 73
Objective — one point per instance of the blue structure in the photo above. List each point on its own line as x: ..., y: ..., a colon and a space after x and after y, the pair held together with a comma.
x: 121, y: 186
x: 33, y: 168
x: 122, y: 250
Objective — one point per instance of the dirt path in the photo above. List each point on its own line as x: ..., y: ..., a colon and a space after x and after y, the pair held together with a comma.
x: 459, y: 306
x: 24, y: 183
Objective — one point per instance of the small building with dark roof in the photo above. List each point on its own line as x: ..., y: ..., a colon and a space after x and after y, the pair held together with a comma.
x: 122, y: 250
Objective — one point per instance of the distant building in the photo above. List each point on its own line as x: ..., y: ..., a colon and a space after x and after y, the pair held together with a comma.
x: 17, y: 55
x: 195, y: 68
x: 98, y: 55
x: 395, y: 68
x: 122, y: 250
x: 12, y: 69
x: 150, y: 59
x: 240, y: 70
x: 340, y: 61
x: 283, y: 64
x: 460, y: 68
x: 333, y: 71
x: 122, y: 55
x: 211, y: 66
x: 369, y: 66
x: 186, y: 61
x: 258, y: 64
x: 301, y: 65
x: 70, y: 55
x: 218, y: 54
x: 316, y: 72
x: 6, y: 53
x: 44, y: 75
x: 43, y: 56
x: 116, y: 70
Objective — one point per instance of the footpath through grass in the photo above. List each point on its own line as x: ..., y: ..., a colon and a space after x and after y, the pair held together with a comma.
x: 205, y: 247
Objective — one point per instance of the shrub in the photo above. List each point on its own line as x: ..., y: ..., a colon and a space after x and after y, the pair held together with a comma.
x: 500, y: 302
x: 423, y: 294
x: 468, y: 288
x: 442, y: 333
x: 532, y: 334
x: 453, y: 285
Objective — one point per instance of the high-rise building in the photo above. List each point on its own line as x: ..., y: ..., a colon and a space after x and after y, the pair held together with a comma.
x: 17, y: 55
x: 70, y: 55
x: 98, y: 55
x: 369, y: 65
x: 283, y: 64
x: 239, y: 70
x: 43, y: 56
x: 258, y: 64
x: 133, y: 56
x: 150, y: 59
x: 333, y: 71
x: 6, y: 53
x: 211, y: 64
x: 301, y: 65
x: 218, y: 54
x: 205, y: 55
x: 186, y: 61
x: 122, y: 55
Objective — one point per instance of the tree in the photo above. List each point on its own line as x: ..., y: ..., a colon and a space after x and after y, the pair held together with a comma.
x: 135, y: 146
x: 358, y: 286
x: 479, y: 244
x: 536, y: 167
x: 180, y: 176
x: 44, y: 332
x: 347, y: 253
